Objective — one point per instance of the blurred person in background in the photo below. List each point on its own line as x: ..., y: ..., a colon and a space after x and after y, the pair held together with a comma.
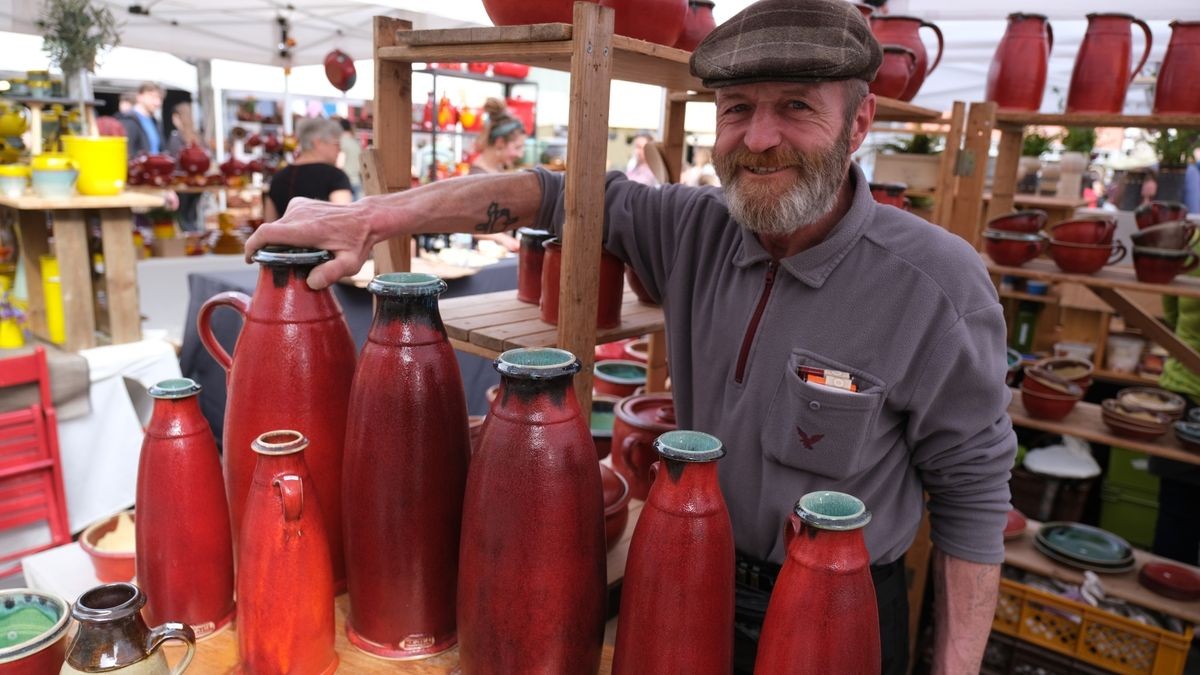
x: 351, y: 160
x: 183, y: 134
x: 499, y: 147
x: 638, y: 170
x: 314, y: 173
x: 142, y: 126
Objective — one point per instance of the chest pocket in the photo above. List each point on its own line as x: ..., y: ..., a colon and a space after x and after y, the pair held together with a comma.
x: 821, y: 429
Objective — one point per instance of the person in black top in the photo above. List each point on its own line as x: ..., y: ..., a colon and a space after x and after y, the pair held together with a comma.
x: 313, y: 174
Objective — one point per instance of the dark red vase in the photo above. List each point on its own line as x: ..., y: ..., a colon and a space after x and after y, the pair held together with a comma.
x: 531, y: 574
x: 518, y: 12
x: 658, y: 21
x: 1017, y: 75
x: 184, y: 546
x: 529, y: 264
x: 1102, y: 75
x: 898, y: 66
x: 284, y: 575
x: 698, y: 23
x: 822, y: 617
x: 640, y: 420
x: 679, y: 619
x: 407, y: 449
x: 612, y: 286
x: 905, y: 31
x: 1175, y: 90
x: 291, y: 369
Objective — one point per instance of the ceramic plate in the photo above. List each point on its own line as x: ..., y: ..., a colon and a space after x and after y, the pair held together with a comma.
x: 1090, y: 545
x: 1172, y: 581
x: 1070, y: 562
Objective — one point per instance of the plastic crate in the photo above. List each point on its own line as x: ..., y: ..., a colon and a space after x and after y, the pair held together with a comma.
x: 1129, y: 469
x: 1128, y: 513
x: 1090, y: 635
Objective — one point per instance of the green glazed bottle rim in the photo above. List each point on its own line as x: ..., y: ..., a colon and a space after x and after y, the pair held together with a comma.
x: 407, y: 284
x: 689, y: 446
x: 179, y: 387
x: 537, y: 363
x: 829, y: 510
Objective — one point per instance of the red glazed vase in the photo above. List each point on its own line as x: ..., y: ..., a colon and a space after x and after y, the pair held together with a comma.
x: 517, y: 12
x: 658, y: 21
x: 905, y: 31
x: 898, y: 66
x: 640, y: 420
x: 184, y: 546
x: 531, y: 572
x: 33, y: 647
x: 1017, y: 75
x: 285, y: 580
x: 1102, y: 75
x: 667, y: 611
x: 529, y: 264
x: 407, y: 449
x: 300, y: 333
x: 113, y: 638
x: 697, y: 24
x: 1175, y: 90
x: 822, y: 617
x: 612, y: 286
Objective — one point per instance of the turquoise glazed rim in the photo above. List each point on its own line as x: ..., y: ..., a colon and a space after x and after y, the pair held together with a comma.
x: 407, y: 284
x: 537, y: 363
x: 280, y: 442
x: 180, y: 387
x: 55, y: 610
x: 828, y: 510
x: 689, y: 446
x: 291, y: 255
x: 621, y: 371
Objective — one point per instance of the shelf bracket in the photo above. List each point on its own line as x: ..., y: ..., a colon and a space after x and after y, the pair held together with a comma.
x: 1156, y: 331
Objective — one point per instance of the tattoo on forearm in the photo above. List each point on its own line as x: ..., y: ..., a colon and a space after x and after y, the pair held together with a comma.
x: 498, y: 220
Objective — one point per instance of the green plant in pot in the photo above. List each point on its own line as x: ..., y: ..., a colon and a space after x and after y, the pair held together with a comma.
x: 1033, y: 146
x: 1174, y: 148
x: 917, y: 144
x: 74, y: 32
x: 913, y: 161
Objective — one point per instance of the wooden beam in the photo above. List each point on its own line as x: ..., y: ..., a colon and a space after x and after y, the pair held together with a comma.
x: 673, y: 133
x: 120, y: 275
x: 1004, y: 179
x: 538, y: 32
x: 971, y: 170
x: 34, y: 240
x: 656, y: 362
x: 392, y: 170
x: 947, y: 180
x: 75, y: 273
x: 1019, y: 118
x: 552, y: 54
x: 1157, y: 332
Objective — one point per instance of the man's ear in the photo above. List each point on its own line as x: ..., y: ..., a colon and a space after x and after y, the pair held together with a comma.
x: 862, y: 122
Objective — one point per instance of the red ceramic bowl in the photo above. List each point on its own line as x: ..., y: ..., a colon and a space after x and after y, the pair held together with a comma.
x: 616, y: 505
x: 1175, y: 234
x: 1047, y: 406
x: 1148, y: 215
x: 638, y: 350
x: 110, y: 566
x: 1161, y: 266
x: 604, y: 416
x: 517, y: 71
x: 37, y: 646
x: 611, y: 350
x: 1042, y: 381
x: 1170, y: 581
x: 618, y: 377
x: 1013, y: 249
x: 1085, y: 258
x: 1084, y: 231
x: 891, y: 194
x: 1028, y: 222
x: 1015, y: 526
x: 1136, y: 433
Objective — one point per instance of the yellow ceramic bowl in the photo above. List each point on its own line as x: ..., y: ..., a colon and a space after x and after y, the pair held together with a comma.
x: 102, y: 163
x: 51, y: 161
x: 15, y: 170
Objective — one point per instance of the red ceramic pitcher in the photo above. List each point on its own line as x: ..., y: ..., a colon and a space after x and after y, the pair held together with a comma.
x: 1017, y: 76
x: 905, y: 31
x: 1102, y: 75
x: 658, y: 21
x: 184, y: 546
x: 822, y: 617
x: 899, y: 64
x: 518, y: 12
x: 1175, y: 90
x: 612, y: 286
x: 529, y: 264
x: 866, y: 10
x: 291, y: 368
x: 407, y: 449
x: 697, y: 25
x: 531, y: 573
x: 679, y: 619
x: 285, y: 580
x: 640, y: 420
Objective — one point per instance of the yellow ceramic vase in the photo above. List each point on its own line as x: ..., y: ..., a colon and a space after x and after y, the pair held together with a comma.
x: 102, y: 164
x: 53, y: 297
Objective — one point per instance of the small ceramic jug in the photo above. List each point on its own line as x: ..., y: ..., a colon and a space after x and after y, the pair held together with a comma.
x: 113, y: 638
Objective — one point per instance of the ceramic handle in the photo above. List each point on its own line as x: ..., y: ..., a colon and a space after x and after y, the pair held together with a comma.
x: 938, y: 32
x: 173, y: 631
x: 1145, y: 51
x: 626, y: 449
x: 1118, y: 254
x: 654, y: 472
x: 1193, y: 261
x: 1050, y: 38
x: 240, y: 302
x: 1189, y: 231
x: 291, y: 491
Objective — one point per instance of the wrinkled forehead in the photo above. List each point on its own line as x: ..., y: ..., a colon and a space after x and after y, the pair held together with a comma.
x: 767, y: 91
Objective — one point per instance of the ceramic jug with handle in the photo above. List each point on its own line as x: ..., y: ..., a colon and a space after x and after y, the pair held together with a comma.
x: 1102, y: 75
x: 906, y: 31
x: 1175, y: 90
x: 1017, y: 75
x: 113, y: 638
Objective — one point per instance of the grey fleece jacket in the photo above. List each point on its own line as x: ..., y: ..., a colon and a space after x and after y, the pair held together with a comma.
x: 904, y: 306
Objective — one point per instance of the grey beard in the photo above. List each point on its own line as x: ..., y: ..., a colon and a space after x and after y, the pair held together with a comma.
x: 805, y: 203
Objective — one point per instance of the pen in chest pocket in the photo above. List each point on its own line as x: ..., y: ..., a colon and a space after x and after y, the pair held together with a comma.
x: 836, y: 379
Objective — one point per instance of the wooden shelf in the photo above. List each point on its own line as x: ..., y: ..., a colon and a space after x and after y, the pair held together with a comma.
x: 60, y: 100
x: 490, y: 323
x: 1085, y: 422
x: 1022, y: 118
x: 1109, y: 277
x: 468, y: 75
x: 1044, y: 299
x: 125, y: 200
x: 886, y: 109
x: 1132, y: 379
x: 1043, y: 201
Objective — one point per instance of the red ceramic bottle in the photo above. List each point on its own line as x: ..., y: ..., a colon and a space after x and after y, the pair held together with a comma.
x: 529, y: 264
x: 407, y: 449
x: 899, y: 64
x: 822, y: 617
x: 1102, y: 75
x: 905, y: 31
x: 184, y: 546
x: 658, y: 21
x: 698, y: 23
x: 291, y: 329
x: 1175, y: 90
x: 679, y: 619
x: 1017, y: 75
x: 531, y: 574
x: 285, y: 581
x: 612, y: 286
x: 640, y: 420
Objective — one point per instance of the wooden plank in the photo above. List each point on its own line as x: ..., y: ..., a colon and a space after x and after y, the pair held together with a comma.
x: 484, y: 303
x: 632, y: 325
x: 473, y: 349
x: 393, y: 131
x: 125, y: 200
x: 1022, y: 118
x: 1131, y: 379
x: 673, y: 133
x: 462, y: 328
x: 971, y: 169
x: 947, y: 184
x: 1158, y: 333
x: 651, y: 63
x: 75, y: 271
x: 120, y: 275
x: 35, y: 243
x: 554, y: 54
x: 656, y: 362
x: 1122, y: 277
x: 537, y: 32
x: 1004, y: 180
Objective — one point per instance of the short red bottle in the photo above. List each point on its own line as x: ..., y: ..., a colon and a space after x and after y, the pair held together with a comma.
x: 679, y: 619
x: 822, y: 617
x: 285, y: 579
x: 407, y: 448
x: 612, y: 286
x: 529, y: 264
x: 184, y: 546
x: 531, y: 575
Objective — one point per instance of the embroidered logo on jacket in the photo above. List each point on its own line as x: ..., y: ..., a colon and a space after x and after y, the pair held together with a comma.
x: 809, y: 441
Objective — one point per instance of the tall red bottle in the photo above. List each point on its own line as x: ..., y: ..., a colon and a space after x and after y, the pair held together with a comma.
x: 1175, y: 90
x: 1101, y: 75
x: 407, y: 448
x: 679, y: 619
x: 293, y: 330
x: 906, y: 32
x: 1017, y: 75
x: 284, y: 576
x: 531, y: 574
x: 529, y: 264
x: 184, y: 546
x: 822, y: 617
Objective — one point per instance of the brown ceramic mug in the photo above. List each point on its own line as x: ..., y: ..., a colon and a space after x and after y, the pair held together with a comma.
x: 1161, y: 266
x: 1176, y: 234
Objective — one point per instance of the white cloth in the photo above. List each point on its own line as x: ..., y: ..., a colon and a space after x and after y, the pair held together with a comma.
x: 1072, y: 459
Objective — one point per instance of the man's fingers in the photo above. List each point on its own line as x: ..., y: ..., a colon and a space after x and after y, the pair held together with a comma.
x: 325, y: 274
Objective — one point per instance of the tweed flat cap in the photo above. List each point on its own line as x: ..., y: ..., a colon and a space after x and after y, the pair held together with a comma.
x: 789, y: 41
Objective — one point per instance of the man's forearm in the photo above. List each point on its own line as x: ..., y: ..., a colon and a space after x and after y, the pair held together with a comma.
x: 965, y: 604
x: 474, y: 204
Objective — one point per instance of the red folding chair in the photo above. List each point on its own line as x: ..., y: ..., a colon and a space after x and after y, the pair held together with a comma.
x: 31, y: 484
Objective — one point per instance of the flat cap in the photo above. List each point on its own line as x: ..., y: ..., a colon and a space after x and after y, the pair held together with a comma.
x: 789, y: 41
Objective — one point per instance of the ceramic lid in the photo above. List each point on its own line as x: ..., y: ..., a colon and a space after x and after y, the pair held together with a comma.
x: 652, y: 412
x: 537, y: 363
x: 407, y: 284
x: 30, y: 621
x: 621, y: 371
x: 828, y: 510
x: 616, y: 490
x: 180, y: 387
x: 291, y: 255
x: 1085, y: 543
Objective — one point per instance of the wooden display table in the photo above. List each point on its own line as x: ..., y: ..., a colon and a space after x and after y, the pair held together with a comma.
x: 69, y: 218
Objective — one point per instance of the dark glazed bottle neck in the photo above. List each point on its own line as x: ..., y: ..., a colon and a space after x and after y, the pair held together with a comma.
x: 407, y: 320
x: 690, y: 484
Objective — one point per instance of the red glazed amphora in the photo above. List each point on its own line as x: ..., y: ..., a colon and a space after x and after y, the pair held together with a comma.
x: 284, y: 577
x: 822, y: 617
x: 658, y: 21
x: 905, y: 31
x: 184, y: 546
x: 1017, y: 75
x: 34, y: 625
x: 697, y: 25
x: 529, y: 264
x: 640, y: 420
x: 1102, y: 75
x: 1175, y: 90
x: 612, y: 286
x: 899, y: 64
x: 679, y: 619
x: 291, y: 368
x: 531, y: 574
x: 407, y: 448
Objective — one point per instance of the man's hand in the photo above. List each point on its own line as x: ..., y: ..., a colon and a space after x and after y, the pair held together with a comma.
x: 964, y: 605
x: 345, y: 230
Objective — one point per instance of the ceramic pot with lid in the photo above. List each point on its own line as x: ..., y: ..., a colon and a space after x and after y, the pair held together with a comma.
x: 640, y: 420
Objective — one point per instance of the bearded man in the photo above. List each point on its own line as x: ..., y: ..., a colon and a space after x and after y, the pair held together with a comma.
x: 790, y: 268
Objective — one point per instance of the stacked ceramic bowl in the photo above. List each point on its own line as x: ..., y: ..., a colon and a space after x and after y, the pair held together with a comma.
x: 1142, y: 413
x: 1163, y: 251
x: 1053, y: 386
x: 1086, y: 245
x: 1188, y: 432
x: 1016, y: 238
x: 1084, y: 547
